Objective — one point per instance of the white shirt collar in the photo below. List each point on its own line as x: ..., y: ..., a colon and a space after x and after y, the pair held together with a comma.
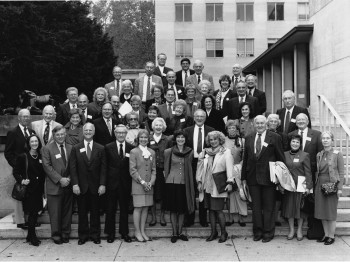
x: 86, y: 142
x: 290, y: 110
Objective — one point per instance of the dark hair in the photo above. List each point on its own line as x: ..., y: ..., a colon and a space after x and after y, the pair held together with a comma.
x: 225, y: 77
x: 245, y: 104
x: 177, y: 133
x: 212, y: 101
x: 154, y: 108
x: 159, y: 87
x: 75, y: 111
x: 169, y: 89
x: 185, y: 59
x: 298, y: 137
x: 27, y: 145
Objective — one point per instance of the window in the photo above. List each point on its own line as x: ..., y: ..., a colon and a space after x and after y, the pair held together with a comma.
x: 271, y: 41
x: 303, y: 11
x: 214, y: 12
x: 245, y: 12
x: 245, y: 47
x: 183, y: 12
x: 275, y: 11
x: 215, y: 48
x: 183, y: 47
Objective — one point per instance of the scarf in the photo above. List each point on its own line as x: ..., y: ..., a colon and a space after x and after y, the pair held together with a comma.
x: 218, y: 98
x: 293, y: 152
x: 145, y: 153
x: 236, y: 138
x: 208, y: 182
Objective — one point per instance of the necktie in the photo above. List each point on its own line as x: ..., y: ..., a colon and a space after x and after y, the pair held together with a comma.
x: 185, y: 78
x: 240, y: 99
x: 236, y: 81
x: 109, y: 126
x: 170, y: 110
x: 46, y: 133
x: 250, y: 92
x: 190, y: 105
x: 73, y: 105
x: 199, y: 142
x: 121, y: 152
x: 83, y: 112
x: 63, y: 155
x: 148, y: 88
x: 117, y: 89
x: 199, y: 79
x: 25, y: 132
x: 286, y: 122
x: 88, y: 151
x: 258, y: 145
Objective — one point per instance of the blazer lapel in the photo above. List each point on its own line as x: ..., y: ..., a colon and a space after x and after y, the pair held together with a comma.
x: 84, y: 156
x: 307, y: 142
x: 57, y: 151
x: 267, y: 141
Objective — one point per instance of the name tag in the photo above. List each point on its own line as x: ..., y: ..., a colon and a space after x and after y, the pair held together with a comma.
x: 40, y: 161
x: 308, y: 138
x: 163, y: 74
x: 154, y: 104
x: 227, y: 99
x: 195, y: 103
x: 182, y: 120
x: 82, y: 150
x: 153, y: 142
x: 173, y: 112
x: 206, y: 156
x: 179, y: 91
x: 336, y: 152
x: 127, y: 155
x: 111, y: 87
x: 153, y: 83
x: 89, y: 116
x: 293, y: 120
x: 296, y: 160
x: 58, y: 156
x: 265, y: 144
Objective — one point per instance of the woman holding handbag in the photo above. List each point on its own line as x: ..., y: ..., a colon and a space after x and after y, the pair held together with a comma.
x: 29, y: 171
x: 329, y: 184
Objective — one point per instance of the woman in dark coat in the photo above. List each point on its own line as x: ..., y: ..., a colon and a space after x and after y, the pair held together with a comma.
x: 180, y: 119
x: 153, y: 113
x: 214, y: 117
x: 99, y: 98
x: 158, y: 97
x: 29, y: 171
x: 126, y: 94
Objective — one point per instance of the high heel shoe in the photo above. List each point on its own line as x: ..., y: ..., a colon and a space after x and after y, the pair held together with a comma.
x: 223, y: 237
x: 212, y: 237
x: 321, y: 240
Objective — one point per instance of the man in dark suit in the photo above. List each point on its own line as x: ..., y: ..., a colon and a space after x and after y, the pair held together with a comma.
x: 253, y: 91
x: 63, y: 110
x: 15, y: 142
x: 224, y: 94
x: 289, y: 112
x: 161, y: 70
x: 181, y: 76
x: 118, y: 184
x: 237, y: 76
x: 88, y: 174
x: 88, y: 114
x: 115, y: 100
x: 167, y: 110
x: 196, y: 139
x: 55, y: 158
x: 311, y: 139
x: 179, y: 90
x: 261, y: 147
x: 232, y: 108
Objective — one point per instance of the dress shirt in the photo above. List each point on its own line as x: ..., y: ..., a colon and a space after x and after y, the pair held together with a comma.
x: 64, y: 149
x: 244, y: 98
x: 22, y: 128
x: 263, y: 135
x: 71, y: 106
x: 86, y: 144
x: 304, y: 136
x: 223, y: 94
x: 157, y: 138
x: 161, y: 69
x: 127, y: 97
x: 285, y: 114
x: 201, y: 76
x: 174, y: 87
x: 251, y: 90
x: 118, y: 146
x: 208, y: 112
x: 110, y: 120
x: 44, y: 127
x: 184, y: 76
x: 195, y: 139
x: 144, y: 91
x: 120, y: 86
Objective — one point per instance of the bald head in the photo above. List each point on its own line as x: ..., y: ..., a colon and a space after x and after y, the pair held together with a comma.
x: 83, y: 101
x: 198, y: 67
x: 117, y: 72
x: 48, y: 113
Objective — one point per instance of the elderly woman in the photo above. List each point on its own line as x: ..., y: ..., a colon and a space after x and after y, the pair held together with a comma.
x: 143, y: 172
x: 215, y: 162
x: 158, y: 97
x: 330, y: 169
x: 179, y: 183
x: 133, y: 128
x: 298, y: 163
x: 235, y: 143
x: 136, y: 108
x: 180, y: 119
x: 99, y: 98
x: 153, y: 113
x: 214, y: 117
x: 204, y: 88
x: 224, y: 94
x: 158, y: 142
x: 246, y: 122
x: 74, y: 128
x: 126, y: 91
x: 192, y: 103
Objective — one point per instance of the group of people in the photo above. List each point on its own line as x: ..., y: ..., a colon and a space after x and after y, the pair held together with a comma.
x: 181, y: 140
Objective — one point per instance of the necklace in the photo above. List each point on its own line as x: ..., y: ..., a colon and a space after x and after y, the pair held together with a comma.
x: 34, y: 156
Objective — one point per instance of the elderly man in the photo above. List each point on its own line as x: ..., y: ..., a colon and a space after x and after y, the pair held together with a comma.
x: 43, y: 128
x: 161, y: 70
x: 144, y: 83
x: 88, y: 114
x: 289, y: 112
x: 237, y: 76
x: 115, y: 101
x: 15, y: 143
x: 179, y: 90
x: 181, y: 76
x: 167, y: 110
x: 115, y: 87
x: 88, y: 174
x: 261, y: 147
x: 196, y: 78
x: 63, y: 110
x: 55, y: 157
x: 253, y: 91
x: 196, y: 136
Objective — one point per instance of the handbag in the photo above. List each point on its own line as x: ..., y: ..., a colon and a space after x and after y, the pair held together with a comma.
x: 307, y: 204
x: 329, y: 188
x: 19, y: 190
x: 220, y: 179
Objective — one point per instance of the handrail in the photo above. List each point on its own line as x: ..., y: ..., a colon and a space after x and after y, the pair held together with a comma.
x: 330, y: 119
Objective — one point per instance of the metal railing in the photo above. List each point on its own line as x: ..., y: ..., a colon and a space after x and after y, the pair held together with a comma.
x: 330, y: 120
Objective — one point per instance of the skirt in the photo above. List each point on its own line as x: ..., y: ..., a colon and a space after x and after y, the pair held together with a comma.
x: 325, y: 206
x: 142, y: 200
x: 159, y: 186
x: 236, y: 204
x: 213, y: 203
x: 33, y: 202
x: 291, y: 205
x: 175, y: 199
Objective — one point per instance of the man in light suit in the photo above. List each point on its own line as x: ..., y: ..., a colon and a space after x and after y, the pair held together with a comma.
x: 237, y: 76
x: 253, y: 91
x: 290, y: 111
x: 196, y: 140
x: 167, y: 110
x: 88, y: 174
x: 115, y: 87
x: 161, y: 70
x: 63, y: 110
x: 196, y: 78
x: 261, y: 147
x: 55, y: 157
x: 43, y: 128
x: 181, y: 76
x: 144, y: 84
x: 179, y: 90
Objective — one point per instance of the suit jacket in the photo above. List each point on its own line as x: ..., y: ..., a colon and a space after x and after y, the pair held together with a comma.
x: 312, y: 147
x: 102, y: 135
x: 260, y: 95
x: 240, y: 78
x: 215, y: 120
x: 111, y: 88
x: 180, y: 90
x: 179, y: 80
x: 38, y: 127
x: 232, y: 109
x: 192, y: 107
x: 54, y: 167
x: 190, y: 130
x: 165, y: 71
x: 292, y: 125
x: 95, y: 110
x: 15, y: 142
x: 255, y: 169
x: 193, y: 79
x: 230, y: 94
x: 118, y: 173
x: 138, y: 88
x: 163, y: 110
x: 62, y: 114
x: 152, y: 101
x: 299, y: 165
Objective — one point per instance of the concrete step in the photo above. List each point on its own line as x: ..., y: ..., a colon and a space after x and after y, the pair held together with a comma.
x: 346, y: 190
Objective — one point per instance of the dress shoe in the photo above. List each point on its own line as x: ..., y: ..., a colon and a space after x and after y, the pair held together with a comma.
x: 204, y: 224
x: 278, y: 224
x: 212, y: 237
x: 126, y: 238
x: 173, y: 239
x: 182, y: 237
x: 290, y: 237
x: 329, y: 241
x: 322, y: 239
x: 242, y: 224
x: 228, y: 223
x: 267, y: 239
x: 152, y: 224
x: 37, y: 224
x: 188, y: 224
x: 257, y: 238
x: 110, y: 239
x: 163, y: 224
x: 22, y: 226
x: 58, y: 242
x: 300, y: 238
x: 65, y: 240
x: 223, y: 237
x: 97, y: 241
x: 81, y: 242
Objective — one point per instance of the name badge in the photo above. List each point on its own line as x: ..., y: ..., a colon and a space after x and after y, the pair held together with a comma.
x: 206, y: 156
x: 127, y: 155
x: 179, y: 91
x: 195, y: 103
x: 164, y: 74
x: 154, y: 104
x: 89, y: 116
x: 227, y: 99
x: 153, y: 83
x: 153, y: 142
x: 111, y: 87
x: 265, y: 144
x: 293, y: 120
x: 336, y: 152
x: 82, y: 150
x: 58, y: 156
x: 308, y: 138
x: 40, y: 161
x: 182, y: 120
x: 296, y: 160
x: 173, y: 112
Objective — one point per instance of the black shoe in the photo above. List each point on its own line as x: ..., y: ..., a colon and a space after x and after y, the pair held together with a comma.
x: 242, y: 224
x: 65, y: 240
x: 182, y: 237
x: 267, y: 239
x: 126, y: 238
x: 223, y: 237
x: 37, y: 224
x: 278, y: 224
x: 257, y: 238
x: 228, y: 223
x: 188, y: 224
x: 110, y: 239
x: 212, y: 237
x: 204, y: 224
x: 173, y: 239
x: 322, y: 239
x: 152, y: 224
x: 163, y: 224
x: 97, y: 241
x: 58, y: 242
x: 22, y: 226
x: 33, y: 240
x: 329, y: 241
x: 81, y: 242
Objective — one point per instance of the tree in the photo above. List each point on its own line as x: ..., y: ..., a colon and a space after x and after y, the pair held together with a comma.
x: 48, y: 46
x: 131, y: 24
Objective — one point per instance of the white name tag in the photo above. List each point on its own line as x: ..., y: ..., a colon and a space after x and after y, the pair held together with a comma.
x: 206, y: 156
x: 111, y: 87
x: 58, y: 156
x: 182, y: 120
x: 308, y: 138
x: 296, y: 160
x: 82, y: 150
x: 153, y: 142
x: 154, y: 104
x: 40, y: 161
x: 173, y: 112
x: 89, y: 116
x: 127, y: 155
x: 227, y: 99
x: 195, y: 103
x: 179, y: 91
x: 265, y: 144
x: 293, y: 120
x: 163, y: 74
x: 336, y: 152
x: 153, y: 83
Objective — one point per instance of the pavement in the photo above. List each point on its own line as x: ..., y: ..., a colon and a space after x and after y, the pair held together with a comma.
x: 196, y: 249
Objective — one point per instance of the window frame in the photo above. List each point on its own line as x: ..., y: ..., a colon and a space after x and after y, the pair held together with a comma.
x: 244, y: 12
x: 214, y: 12
x: 183, y: 5
x: 215, y: 50
x: 306, y: 5
x: 183, y: 43
x: 275, y: 8
x: 245, y: 48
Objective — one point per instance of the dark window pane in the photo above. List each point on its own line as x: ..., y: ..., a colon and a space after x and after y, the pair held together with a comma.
x: 249, y: 12
x: 210, y: 12
x: 219, y: 53
x: 280, y: 12
x: 188, y: 13
x: 271, y: 11
x: 179, y: 13
x: 240, y: 12
x: 218, y: 12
